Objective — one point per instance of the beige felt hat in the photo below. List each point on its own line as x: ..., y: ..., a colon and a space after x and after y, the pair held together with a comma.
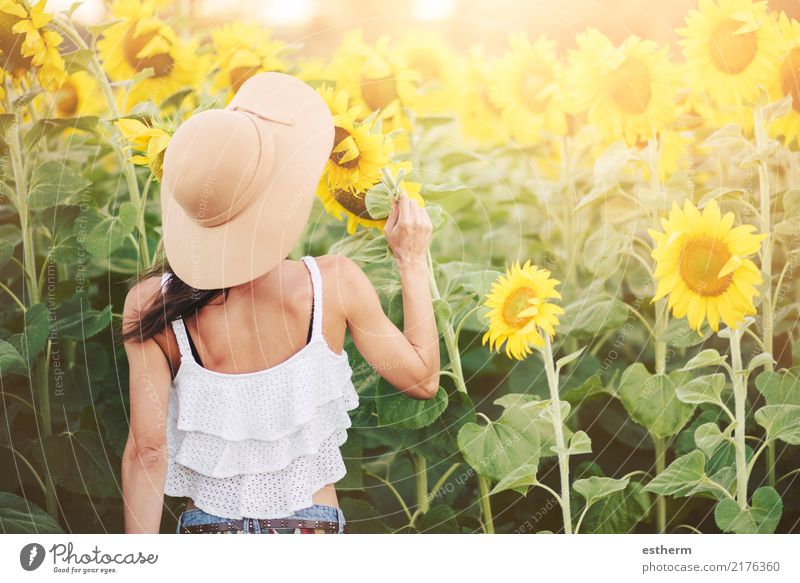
x: 239, y: 182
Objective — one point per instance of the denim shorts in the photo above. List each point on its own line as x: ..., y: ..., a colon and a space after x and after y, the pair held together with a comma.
x: 251, y: 526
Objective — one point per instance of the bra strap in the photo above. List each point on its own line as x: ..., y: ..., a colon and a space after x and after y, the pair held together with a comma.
x: 179, y: 327
x: 316, y: 285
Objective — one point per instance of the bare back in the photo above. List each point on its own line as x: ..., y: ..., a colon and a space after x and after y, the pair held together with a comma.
x: 261, y: 324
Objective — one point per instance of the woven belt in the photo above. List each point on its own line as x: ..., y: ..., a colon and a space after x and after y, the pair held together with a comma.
x: 234, y: 525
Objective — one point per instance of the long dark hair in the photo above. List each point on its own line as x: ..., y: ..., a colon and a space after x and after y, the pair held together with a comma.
x: 176, y: 299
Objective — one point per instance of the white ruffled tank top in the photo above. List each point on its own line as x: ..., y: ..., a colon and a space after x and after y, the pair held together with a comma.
x: 259, y: 444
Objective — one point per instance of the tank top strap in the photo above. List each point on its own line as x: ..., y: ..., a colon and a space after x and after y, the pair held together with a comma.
x: 185, y: 348
x: 316, y: 285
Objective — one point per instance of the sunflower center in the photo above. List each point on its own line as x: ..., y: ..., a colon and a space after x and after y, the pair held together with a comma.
x: 238, y: 75
x: 132, y: 45
x: 67, y: 100
x: 352, y: 203
x: 629, y: 86
x: 378, y: 92
x: 701, y: 261
x: 516, y: 302
x: 11, y: 58
x: 790, y: 77
x: 732, y: 52
x: 336, y: 157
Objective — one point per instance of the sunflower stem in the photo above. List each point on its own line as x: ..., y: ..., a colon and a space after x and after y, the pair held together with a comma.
x: 453, y: 353
x: 766, y: 260
x: 739, y: 397
x: 486, y: 504
x: 660, y: 447
x: 65, y: 26
x: 39, y: 368
x: 421, y: 465
x: 558, y: 431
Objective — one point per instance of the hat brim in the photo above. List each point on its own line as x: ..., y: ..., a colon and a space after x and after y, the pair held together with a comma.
x: 260, y: 236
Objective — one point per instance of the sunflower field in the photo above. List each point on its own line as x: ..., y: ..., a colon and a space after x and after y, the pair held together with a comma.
x: 614, y: 263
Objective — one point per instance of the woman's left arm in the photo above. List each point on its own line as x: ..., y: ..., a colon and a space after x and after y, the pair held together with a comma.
x: 144, y: 461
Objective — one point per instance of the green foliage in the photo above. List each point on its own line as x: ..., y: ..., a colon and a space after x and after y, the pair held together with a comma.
x: 761, y: 517
x: 651, y: 400
x: 498, y: 447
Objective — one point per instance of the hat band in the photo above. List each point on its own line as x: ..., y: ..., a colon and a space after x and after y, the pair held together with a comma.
x: 253, y: 188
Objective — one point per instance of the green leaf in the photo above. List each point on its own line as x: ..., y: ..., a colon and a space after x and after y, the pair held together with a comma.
x: 440, y: 519
x: 580, y: 443
x: 681, y: 476
x: 780, y: 388
x: 81, y: 463
x: 780, y: 422
x: 518, y: 480
x: 652, y: 402
x: 703, y: 359
x: 398, y: 410
x: 128, y: 215
x: 680, y: 335
x: 55, y: 183
x: 76, y: 319
x: 705, y: 389
x: 604, y: 250
x: 10, y: 360
x: 596, y: 488
x: 20, y: 516
x: 593, y: 315
x: 565, y: 360
x: 106, y: 237
x: 378, y: 201
x: 440, y: 191
x: 6, y: 251
x: 494, y: 450
x: 762, y: 359
x: 442, y: 312
x: 49, y: 126
x: 362, y: 517
x: 37, y: 328
x: 588, y: 388
x: 762, y: 517
x: 708, y: 437
x: 618, y: 513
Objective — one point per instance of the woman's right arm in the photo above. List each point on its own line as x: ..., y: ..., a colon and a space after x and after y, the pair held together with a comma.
x: 409, y: 360
x: 144, y: 461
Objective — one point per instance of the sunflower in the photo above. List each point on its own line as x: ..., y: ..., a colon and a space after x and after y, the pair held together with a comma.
x: 359, y: 152
x: 152, y: 141
x: 435, y: 67
x: 702, y: 264
x: 732, y: 47
x: 141, y: 41
x: 79, y: 95
x: 343, y: 204
x: 376, y: 79
x: 628, y: 91
x: 529, y: 90
x: 242, y: 50
x: 786, y: 80
x: 26, y: 44
x: 479, y: 117
x: 520, y: 310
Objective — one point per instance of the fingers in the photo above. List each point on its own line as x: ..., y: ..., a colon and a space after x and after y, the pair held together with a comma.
x: 391, y: 220
x: 406, y: 213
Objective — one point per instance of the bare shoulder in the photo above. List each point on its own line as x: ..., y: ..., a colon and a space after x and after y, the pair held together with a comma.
x: 142, y: 295
x: 345, y: 282
x: 342, y: 271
